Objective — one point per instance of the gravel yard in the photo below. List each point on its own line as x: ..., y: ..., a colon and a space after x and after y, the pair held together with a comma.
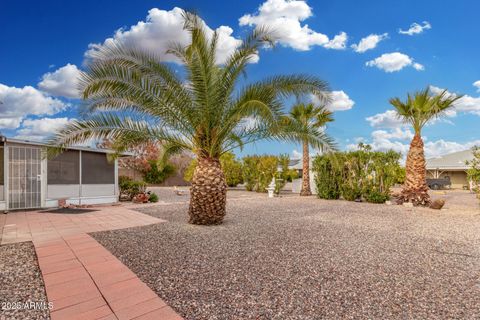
x: 21, y: 282
x: 305, y: 258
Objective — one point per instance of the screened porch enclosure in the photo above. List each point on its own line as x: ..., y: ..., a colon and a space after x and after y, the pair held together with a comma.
x: 29, y: 180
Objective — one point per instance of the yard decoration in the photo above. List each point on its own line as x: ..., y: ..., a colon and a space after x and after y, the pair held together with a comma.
x: 132, y: 97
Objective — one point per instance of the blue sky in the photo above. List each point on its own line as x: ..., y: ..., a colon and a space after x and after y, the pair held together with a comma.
x: 406, y: 46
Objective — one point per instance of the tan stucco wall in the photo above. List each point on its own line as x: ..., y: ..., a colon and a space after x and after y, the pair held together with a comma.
x: 458, y: 178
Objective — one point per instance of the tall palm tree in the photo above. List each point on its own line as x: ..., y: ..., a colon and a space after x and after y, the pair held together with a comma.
x: 132, y: 97
x: 311, y: 120
x: 418, y: 110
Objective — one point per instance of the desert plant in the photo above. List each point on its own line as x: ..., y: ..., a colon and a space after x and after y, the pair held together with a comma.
x: 158, y: 172
x: 355, y: 174
x: 375, y: 196
x: 312, y: 120
x: 153, y: 197
x: 130, y: 188
x: 327, y: 177
x: 417, y: 111
x: 473, y: 173
x: 133, y: 97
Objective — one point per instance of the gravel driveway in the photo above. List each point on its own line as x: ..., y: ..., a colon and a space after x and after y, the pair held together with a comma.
x: 305, y: 258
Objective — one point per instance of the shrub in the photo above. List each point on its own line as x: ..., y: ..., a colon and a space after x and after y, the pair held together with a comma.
x: 130, y: 188
x: 153, y: 197
x: 358, y: 173
x: 327, y: 178
x: 232, y: 169
x: 158, y: 173
x: 351, y: 193
x: 375, y: 196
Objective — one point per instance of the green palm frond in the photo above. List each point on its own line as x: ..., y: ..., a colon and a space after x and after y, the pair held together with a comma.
x: 423, y: 106
x: 131, y: 96
x: 306, y: 123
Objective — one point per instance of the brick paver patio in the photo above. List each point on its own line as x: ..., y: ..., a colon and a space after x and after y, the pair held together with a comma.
x: 82, y: 279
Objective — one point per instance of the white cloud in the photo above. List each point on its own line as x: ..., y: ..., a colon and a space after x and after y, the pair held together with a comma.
x: 369, y: 42
x: 387, y: 119
x: 39, y: 129
x: 339, y: 42
x: 10, y: 123
x: 340, y: 101
x: 466, y: 103
x: 477, y: 85
x: 284, y: 17
x: 62, y: 82
x: 418, y: 66
x: 17, y: 103
x: 296, y: 154
x: 416, y: 28
x: 159, y: 29
x: 395, y: 61
x: 396, y: 133
x: 399, y: 141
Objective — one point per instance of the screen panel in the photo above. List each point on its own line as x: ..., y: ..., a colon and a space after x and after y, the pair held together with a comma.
x: 64, y: 168
x: 96, y: 169
x: 2, y: 174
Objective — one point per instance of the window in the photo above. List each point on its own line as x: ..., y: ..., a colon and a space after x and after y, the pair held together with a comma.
x: 96, y: 169
x: 64, y: 168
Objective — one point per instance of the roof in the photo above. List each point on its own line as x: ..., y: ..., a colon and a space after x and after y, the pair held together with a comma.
x: 38, y: 143
x: 452, y: 161
x: 295, y: 164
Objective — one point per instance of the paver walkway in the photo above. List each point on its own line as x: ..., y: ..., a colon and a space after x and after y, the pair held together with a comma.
x: 82, y: 279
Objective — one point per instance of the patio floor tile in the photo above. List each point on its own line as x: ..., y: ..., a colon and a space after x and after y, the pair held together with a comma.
x: 82, y: 279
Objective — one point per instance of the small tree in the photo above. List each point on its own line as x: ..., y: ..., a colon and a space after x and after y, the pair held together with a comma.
x: 473, y: 173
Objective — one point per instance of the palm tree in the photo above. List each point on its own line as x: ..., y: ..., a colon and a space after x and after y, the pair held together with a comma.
x: 131, y: 97
x: 418, y: 110
x: 311, y: 120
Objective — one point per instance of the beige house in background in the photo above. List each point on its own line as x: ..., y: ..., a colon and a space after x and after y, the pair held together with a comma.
x: 451, y: 166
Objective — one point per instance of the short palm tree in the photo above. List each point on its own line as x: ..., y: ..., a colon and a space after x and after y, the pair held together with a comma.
x: 311, y: 121
x: 418, y: 110
x: 132, y: 97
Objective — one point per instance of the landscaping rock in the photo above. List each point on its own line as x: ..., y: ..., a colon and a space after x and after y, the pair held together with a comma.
x: 437, y: 204
x: 21, y: 282
x: 305, y: 258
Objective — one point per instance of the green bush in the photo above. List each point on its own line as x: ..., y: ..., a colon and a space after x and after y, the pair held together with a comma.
x: 351, y: 193
x: 157, y: 173
x: 258, y: 172
x: 375, y: 196
x: 130, y: 188
x: 153, y: 197
x: 358, y: 173
x: 327, y: 178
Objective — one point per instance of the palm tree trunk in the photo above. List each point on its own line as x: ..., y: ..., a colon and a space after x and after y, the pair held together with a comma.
x: 208, y: 193
x: 306, y: 171
x: 415, y: 189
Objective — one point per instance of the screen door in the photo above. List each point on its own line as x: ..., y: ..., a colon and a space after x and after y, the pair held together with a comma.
x: 24, y: 177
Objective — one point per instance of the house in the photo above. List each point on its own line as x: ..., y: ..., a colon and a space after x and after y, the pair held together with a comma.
x: 79, y: 175
x: 452, y: 166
